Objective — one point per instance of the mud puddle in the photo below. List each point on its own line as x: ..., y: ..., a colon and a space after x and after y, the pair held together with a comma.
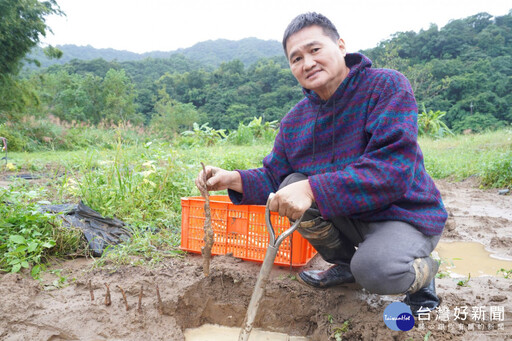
x: 210, y: 332
x: 459, y: 259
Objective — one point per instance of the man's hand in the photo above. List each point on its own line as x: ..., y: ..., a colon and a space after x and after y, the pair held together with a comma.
x: 293, y: 200
x: 218, y: 179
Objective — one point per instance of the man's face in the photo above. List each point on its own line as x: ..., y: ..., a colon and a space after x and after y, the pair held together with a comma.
x: 316, y: 61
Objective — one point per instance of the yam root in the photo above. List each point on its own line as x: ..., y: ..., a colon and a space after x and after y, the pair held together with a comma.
x: 206, y: 250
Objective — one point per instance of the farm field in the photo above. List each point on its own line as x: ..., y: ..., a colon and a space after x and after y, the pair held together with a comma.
x: 144, y: 183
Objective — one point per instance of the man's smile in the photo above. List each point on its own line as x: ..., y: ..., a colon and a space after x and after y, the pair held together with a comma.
x: 312, y: 74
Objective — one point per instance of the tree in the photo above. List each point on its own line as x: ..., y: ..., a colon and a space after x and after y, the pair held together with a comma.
x: 172, y: 116
x: 119, y: 97
x: 22, y: 22
x: 478, y: 123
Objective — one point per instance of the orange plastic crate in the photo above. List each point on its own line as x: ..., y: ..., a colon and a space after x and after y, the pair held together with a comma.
x: 240, y: 230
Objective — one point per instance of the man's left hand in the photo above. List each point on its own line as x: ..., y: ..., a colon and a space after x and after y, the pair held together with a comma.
x: 293, y: 200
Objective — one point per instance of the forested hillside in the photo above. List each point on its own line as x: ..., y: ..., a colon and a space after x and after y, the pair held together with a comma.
x: 463, y: 69
x: 223, y: 97
x: 210, y: 53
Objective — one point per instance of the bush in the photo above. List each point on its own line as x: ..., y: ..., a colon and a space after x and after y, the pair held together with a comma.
x: 205, y: 135
x: 431, y: 124
x: 242, y: 136
x: 254, y: 130
x: 15, y: 140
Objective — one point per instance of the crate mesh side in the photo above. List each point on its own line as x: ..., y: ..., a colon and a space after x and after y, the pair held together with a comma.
x: 241, y: 230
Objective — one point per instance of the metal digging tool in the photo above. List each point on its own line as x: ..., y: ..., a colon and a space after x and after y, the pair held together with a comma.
x: 268, y: 262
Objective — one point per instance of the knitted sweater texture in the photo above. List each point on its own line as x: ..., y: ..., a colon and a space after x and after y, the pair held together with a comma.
x: 359, y: 150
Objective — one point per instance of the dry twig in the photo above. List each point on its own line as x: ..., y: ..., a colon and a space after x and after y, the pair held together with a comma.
x: 139, y: 308
x: 91, y: 291
x: 108, y: 300
x: 206, y: 250
x: 124, y: 298
x: 159, y: 299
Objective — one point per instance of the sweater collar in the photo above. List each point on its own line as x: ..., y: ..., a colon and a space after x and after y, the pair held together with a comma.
x: 356, y: 62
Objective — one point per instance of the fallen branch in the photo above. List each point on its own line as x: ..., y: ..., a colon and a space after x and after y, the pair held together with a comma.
x: 206, y: 250
x: 124, y: 298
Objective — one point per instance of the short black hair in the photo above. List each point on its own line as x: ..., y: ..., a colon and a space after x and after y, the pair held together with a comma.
x: 309, y: 19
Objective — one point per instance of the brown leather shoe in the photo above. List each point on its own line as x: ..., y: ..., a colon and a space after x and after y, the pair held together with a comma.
x: 335, y: 275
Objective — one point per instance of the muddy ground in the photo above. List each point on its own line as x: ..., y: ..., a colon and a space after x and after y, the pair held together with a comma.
x: 32, y: 310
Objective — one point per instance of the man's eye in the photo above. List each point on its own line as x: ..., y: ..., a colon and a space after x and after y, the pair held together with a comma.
x: 316, y: 49
x: 296, y: 59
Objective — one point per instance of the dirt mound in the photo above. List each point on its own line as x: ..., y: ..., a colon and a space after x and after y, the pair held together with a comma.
x: 52, y: 310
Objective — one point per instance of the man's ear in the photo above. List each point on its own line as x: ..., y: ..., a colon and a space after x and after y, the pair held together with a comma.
x: 341, y: 45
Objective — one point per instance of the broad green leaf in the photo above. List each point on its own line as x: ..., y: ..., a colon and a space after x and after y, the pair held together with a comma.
x: 17, y: 239
x: 49, y: 244
x: 32, y: 246
x: 14, y: 261
x: 35, y: 271
x: 21, y: 248
x: 16, y: 268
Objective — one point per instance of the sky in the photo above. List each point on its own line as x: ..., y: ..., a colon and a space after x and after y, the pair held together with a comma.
x: 167, y: 25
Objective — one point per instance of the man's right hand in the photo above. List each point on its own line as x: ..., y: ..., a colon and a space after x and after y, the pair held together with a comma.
x: 218, y: 179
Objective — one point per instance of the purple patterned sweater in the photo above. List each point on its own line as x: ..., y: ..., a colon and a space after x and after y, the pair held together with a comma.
x: 359, y: 150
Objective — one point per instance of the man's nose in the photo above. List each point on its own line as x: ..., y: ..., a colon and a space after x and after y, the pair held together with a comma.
x: 309, y: 62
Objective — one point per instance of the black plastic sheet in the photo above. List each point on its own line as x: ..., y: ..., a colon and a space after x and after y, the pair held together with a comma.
x: 100, y: 232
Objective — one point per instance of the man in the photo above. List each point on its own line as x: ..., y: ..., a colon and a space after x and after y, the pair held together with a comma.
x: 346, y: 158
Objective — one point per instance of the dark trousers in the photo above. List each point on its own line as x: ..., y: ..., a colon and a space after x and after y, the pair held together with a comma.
x: 380, y: 254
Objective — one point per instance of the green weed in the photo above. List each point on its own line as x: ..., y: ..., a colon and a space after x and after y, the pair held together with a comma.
x: 506, y: 273
x: 28, y: 237
x: 338, y: 331
x: 441, y: 261
x: 464, y: 282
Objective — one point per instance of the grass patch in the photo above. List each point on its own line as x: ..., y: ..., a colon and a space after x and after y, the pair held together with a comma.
x: 461, y: 156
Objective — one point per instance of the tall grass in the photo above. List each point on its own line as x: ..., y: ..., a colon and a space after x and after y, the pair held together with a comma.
x: 486, y: 156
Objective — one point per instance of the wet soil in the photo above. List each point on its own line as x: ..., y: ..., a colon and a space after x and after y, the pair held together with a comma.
x: 49, y: 310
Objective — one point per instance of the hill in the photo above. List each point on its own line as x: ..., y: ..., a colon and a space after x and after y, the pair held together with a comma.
x: 210, y: 53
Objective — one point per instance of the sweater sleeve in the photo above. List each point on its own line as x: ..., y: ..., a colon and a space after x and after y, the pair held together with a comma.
x: 258, y: 183
x: 384, y: 172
